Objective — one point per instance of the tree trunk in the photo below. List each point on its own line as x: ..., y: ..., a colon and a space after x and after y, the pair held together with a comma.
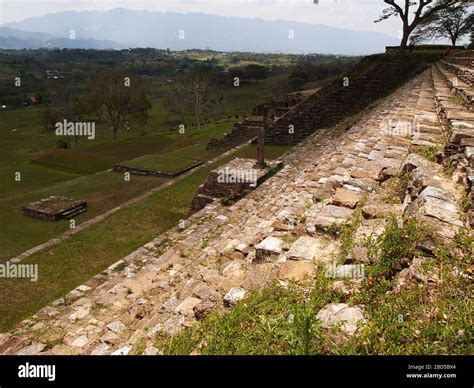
x: 198, y: 110
x: 404, y: 42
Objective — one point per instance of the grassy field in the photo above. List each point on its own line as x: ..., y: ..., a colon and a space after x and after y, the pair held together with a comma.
x: 162, y: 163
x: 81, y: 173
x: 73, y: 261
x: 28, y: 149
x: 103, y: 190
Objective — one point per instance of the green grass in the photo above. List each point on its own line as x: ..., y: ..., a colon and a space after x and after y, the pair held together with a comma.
x: 164, y: 163
x: 73, y: 261
x: 103, y: 157
x: 102, y: 191
x: 50, y: 166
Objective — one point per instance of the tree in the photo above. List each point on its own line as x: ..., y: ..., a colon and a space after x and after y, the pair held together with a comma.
x: 180, y: 100
x: 121, y: 97
x: 423, y: 9
x: 203, y: 90
x: 256, y: 72
x: 453, y: 23
x: 62, y: 103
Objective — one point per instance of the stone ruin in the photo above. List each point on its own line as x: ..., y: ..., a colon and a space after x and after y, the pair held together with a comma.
x: 248, y: 129
x: 241, y: 132
x: 282, y: 232
x: 453, y: 76
x: 232, y: 181
x: 149, y: 172
x: 55, y: 208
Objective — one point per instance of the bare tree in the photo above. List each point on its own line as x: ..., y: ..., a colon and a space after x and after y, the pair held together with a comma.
x: 203, y: 90
x: 421, y: 9
x: 453, y: 23
x: 61, y: 103
x: 120, y: 96
x: 179, y: 100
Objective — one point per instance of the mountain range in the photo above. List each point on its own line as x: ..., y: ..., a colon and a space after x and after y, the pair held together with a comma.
x: 16, y: 40
x: 120, y: 28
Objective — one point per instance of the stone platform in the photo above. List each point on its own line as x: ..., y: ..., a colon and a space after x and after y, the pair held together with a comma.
x: 55, y: 208
x: 232, y: 181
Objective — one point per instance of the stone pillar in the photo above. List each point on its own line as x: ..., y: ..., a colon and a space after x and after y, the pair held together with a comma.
x: 260, y: 149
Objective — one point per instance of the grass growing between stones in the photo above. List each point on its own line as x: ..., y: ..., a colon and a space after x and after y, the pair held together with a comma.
x: 421, y: 318
x: 429, y: 152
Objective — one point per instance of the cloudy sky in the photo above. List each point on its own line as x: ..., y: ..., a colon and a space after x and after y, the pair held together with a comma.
x: 352, y: 14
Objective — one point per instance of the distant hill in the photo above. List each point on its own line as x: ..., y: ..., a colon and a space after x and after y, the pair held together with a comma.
x: 16, y: 39
x: 161, y: 30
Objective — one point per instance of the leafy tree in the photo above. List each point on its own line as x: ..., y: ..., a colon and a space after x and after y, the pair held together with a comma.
x: 256, y: 72
x: 453, y: 23
x: 423, y: 10
x: 121, y: 97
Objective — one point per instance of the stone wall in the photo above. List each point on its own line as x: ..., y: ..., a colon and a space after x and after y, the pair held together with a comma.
x: 218, y: 186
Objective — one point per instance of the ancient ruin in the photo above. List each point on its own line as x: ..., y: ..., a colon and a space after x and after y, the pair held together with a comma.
x: 55, y: 208
x: 232, y: 181
x: 288, y: 228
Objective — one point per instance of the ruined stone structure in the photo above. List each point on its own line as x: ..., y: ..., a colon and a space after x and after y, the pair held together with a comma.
x: 55, y: 208
x: 455, y: 77
x: 147, y: 172
x: 337, y: 101
x: 277, y: 108
x: 241, y: 132
x: 278, y: 232
x: 232, y: 181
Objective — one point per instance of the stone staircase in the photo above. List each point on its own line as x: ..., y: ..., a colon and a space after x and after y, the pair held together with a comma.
x: 453, y: 82
x: 241, y: 133
x: 459, y: 78
x: 333, y: 103
x: 279, y: 232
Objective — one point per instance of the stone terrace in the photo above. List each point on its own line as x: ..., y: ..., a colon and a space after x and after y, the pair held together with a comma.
x: 276, y: 232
